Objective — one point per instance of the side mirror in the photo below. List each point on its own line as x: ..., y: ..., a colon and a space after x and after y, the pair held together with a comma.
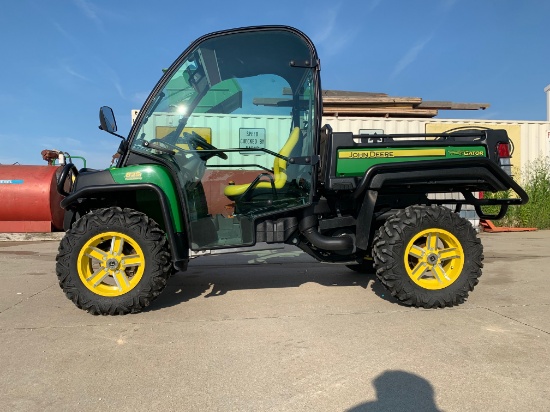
x: 107, y: 119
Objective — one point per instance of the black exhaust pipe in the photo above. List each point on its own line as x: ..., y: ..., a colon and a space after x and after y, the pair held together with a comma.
x: 308, y: 227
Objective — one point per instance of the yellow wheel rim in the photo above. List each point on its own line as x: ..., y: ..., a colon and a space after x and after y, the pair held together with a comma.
x: 434, y: 259
x: 111, y: 264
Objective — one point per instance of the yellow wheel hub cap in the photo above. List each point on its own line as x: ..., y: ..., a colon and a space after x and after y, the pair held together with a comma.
x: 111, y: 264
x: 434, y: 259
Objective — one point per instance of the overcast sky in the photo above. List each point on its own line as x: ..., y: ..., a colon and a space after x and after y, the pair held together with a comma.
x: 63, y: 59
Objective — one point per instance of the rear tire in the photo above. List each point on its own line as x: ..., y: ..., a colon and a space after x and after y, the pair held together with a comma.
x: 113, y: 261
x: 428, y: 256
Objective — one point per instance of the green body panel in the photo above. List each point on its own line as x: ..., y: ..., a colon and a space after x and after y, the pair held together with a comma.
x: 355, y: 161
x: 157, y: 175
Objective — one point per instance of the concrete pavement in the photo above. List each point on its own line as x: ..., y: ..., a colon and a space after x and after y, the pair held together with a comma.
x: 276, y: 331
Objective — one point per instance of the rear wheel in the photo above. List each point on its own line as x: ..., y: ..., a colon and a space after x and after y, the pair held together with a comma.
x: 113, y: 261
x: 428, y: 256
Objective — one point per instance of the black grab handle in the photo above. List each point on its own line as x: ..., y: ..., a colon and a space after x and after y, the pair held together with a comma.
x: 63, y: 176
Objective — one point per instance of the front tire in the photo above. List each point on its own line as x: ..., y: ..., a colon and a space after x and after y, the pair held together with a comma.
x: 428, y: 256
x: 113, y: 261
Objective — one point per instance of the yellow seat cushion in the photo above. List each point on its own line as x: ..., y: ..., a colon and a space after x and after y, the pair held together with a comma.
x: 279, y: 169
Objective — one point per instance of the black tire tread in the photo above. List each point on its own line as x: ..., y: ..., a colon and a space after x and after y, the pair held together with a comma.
x: 150, y: 236
x: 389, y: 245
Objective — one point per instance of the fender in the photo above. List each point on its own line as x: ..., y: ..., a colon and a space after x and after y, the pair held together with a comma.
x: 463, y: 175
x: 480, y: 174
x: 178, y: 241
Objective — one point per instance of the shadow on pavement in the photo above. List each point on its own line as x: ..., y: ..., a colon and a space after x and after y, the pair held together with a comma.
x: 212, y: 281
x: 400, y: 391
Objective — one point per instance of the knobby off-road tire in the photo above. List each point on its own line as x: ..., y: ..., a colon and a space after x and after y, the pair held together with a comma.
x: 113, y: 261
x: 428, y: 256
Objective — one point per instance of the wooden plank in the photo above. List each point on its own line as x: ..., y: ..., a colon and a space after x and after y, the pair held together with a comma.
x: 444, y: 105
x: 345, y: 93
x: 373, y: 106
x: 272, y: 101
x: 380, y: 111
x: 372, y: 100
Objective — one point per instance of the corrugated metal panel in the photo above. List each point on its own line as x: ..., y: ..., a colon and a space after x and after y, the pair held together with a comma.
x: 225, y: 133
x: 390, y: 126
x: 535, y: 141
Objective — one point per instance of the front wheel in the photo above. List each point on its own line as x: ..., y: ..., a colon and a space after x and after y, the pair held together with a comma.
x: 113, y: 261
x: 428, y: 256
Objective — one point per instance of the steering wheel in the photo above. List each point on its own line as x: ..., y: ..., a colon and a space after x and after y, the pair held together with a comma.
x: 162, y: 142
x: 196, y: 140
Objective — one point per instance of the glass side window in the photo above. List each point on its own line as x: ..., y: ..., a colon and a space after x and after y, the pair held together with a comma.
x: 226, y: 121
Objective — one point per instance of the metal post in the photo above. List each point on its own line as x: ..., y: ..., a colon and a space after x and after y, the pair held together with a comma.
x: 547, y: 91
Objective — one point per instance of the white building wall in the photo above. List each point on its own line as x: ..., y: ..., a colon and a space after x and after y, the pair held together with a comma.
x: 535, y: 141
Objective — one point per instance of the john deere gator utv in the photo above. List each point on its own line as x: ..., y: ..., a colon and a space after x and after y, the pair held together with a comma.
x: 228, y: 153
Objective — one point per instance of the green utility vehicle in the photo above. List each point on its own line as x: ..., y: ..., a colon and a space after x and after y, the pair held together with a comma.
x: 228, y: 154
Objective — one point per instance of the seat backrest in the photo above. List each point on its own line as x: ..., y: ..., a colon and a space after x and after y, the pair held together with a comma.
x: 279, y: 165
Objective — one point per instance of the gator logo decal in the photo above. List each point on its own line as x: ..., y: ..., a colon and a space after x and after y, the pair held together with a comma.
x: 132, y: 176
x: 466, y: 152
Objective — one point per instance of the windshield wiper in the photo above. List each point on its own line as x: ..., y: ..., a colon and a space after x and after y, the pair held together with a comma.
x: 159, y: 148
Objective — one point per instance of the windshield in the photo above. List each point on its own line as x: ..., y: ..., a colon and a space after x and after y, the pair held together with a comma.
x: 248, y: 74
